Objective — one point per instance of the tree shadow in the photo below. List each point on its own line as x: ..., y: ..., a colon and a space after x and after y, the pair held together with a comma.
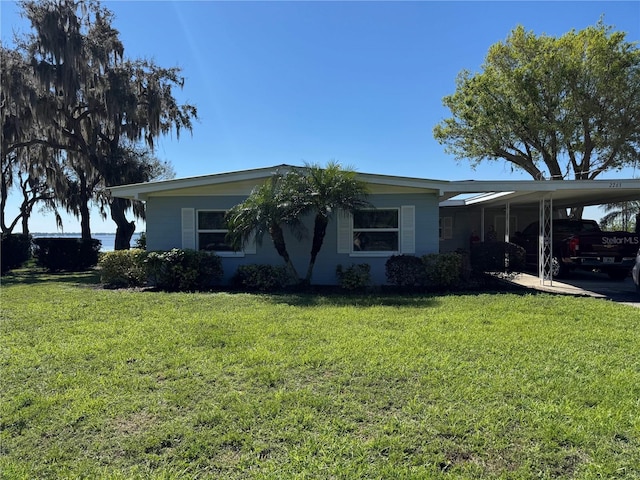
x: 32, y: 276
x: 342, y: 299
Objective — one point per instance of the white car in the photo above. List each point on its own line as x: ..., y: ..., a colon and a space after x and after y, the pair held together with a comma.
x: 635, y: 272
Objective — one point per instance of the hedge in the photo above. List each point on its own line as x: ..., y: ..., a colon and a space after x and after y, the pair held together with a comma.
x: 15, y: 250
x: 70, y: 254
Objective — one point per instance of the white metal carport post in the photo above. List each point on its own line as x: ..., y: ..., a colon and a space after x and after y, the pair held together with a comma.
x: 545, y: 245
x: 507, y: 233
x: 507, y: 217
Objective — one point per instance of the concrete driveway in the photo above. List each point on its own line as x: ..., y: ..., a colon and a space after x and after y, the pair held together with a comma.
x: 585, y: 283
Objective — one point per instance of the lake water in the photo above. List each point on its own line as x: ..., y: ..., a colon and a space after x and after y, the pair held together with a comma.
x: 108, y: 239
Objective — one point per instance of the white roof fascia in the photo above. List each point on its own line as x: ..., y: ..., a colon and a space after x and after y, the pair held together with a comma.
x: 142, y: 190
x: 480, y: 186
x: 425, y: 184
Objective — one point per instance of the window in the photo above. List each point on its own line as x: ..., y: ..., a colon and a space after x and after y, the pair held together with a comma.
x: 212, y: 231
x: 376, y: 230
x: 446, y: 228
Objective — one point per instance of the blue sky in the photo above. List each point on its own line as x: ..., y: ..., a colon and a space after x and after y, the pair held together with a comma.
x: 360, y: 83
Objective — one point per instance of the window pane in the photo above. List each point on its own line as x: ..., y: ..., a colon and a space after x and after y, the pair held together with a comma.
x: 213, y: 242
x: 375, y: 219
x: 375, y: 241
x: 211, y: 221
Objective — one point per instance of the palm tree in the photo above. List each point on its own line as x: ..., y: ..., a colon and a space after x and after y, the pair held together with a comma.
x: 268, y: 209
x: 325, y: 191
x: 620, y: 215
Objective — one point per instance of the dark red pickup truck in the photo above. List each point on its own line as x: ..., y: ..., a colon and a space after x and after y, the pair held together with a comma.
x: 581, y: 244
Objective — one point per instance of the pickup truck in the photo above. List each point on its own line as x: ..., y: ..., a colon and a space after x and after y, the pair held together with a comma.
x: 581, y: 244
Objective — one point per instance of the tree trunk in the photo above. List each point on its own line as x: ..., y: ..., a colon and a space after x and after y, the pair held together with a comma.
x: 25, y: 208
x: 124, y: 228
x: 319, y: 231
x: 277, y: 235
x: 25, y: 225
x: 85, y: 226
x: 3, y: 202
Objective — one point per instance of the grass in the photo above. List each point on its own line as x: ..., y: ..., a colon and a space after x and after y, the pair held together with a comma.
x: 122, y: 384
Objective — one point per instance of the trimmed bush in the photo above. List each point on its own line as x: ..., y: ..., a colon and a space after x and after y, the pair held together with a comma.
x: 355, y: 277
x: 15, y: 250
x: 262, y: 278
x: 70, y: 254
x: 443, y: 269
x: 405, y: 271
x: 123, y: 268
x: 183, y: 270
x: 497, y: 257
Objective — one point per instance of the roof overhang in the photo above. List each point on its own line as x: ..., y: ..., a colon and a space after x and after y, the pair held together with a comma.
x: 565, y: 194
x: 242, y: 182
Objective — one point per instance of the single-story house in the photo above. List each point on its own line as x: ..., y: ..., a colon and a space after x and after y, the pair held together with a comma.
x: 413, y: 216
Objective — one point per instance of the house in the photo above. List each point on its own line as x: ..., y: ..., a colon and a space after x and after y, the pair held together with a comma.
x: 413, y: 216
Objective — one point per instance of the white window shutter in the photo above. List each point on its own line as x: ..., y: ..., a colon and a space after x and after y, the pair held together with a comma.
x: 345, y: 237
x: 408, y: 229
x: 188, y: 228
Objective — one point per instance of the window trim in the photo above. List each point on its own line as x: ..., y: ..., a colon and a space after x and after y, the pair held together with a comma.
x: 198, y: 231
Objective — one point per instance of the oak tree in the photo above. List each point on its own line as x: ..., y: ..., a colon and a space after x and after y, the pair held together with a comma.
x: 558, y: 108
x: 97, y: 99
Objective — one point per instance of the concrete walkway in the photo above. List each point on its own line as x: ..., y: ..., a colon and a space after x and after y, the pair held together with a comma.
x: 590, y: 284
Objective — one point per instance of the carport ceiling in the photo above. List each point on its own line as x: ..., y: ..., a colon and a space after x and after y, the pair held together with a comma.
x: 565, y: 194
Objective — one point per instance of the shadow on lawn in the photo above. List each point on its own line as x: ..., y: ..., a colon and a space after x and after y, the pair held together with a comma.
x: 391, y: 298
x: 353, y: 300
x: 32, y: 276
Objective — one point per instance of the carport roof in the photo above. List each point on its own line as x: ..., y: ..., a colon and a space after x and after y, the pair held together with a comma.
x: 565, y: 193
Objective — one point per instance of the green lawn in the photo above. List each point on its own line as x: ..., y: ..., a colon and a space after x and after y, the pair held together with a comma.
x: 123, y: 384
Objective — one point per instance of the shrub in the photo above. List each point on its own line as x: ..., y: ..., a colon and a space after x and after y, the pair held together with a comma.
x: 141, y: 242
x: 15, y: 250
x: 355, y: 277
x: 183, y: 270
x: 70, y: 254
x: 497, y: 257
x: 405, y: 271
x: 443, y: 269
x: 263, y: 278
x: 123, y: 268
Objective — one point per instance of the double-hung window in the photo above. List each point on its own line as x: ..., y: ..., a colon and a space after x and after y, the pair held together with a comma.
x: 212, y: 231
x: 376, y: 230
x: 207, y: 230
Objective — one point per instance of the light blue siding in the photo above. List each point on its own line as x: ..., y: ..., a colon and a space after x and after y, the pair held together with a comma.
x: 164, y: 231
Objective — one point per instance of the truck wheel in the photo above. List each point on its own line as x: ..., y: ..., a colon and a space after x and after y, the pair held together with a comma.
x: 558, y: 269
x: 618, y: 274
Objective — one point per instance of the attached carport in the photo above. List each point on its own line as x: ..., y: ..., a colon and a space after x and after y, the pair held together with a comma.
x: 546, y: 196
